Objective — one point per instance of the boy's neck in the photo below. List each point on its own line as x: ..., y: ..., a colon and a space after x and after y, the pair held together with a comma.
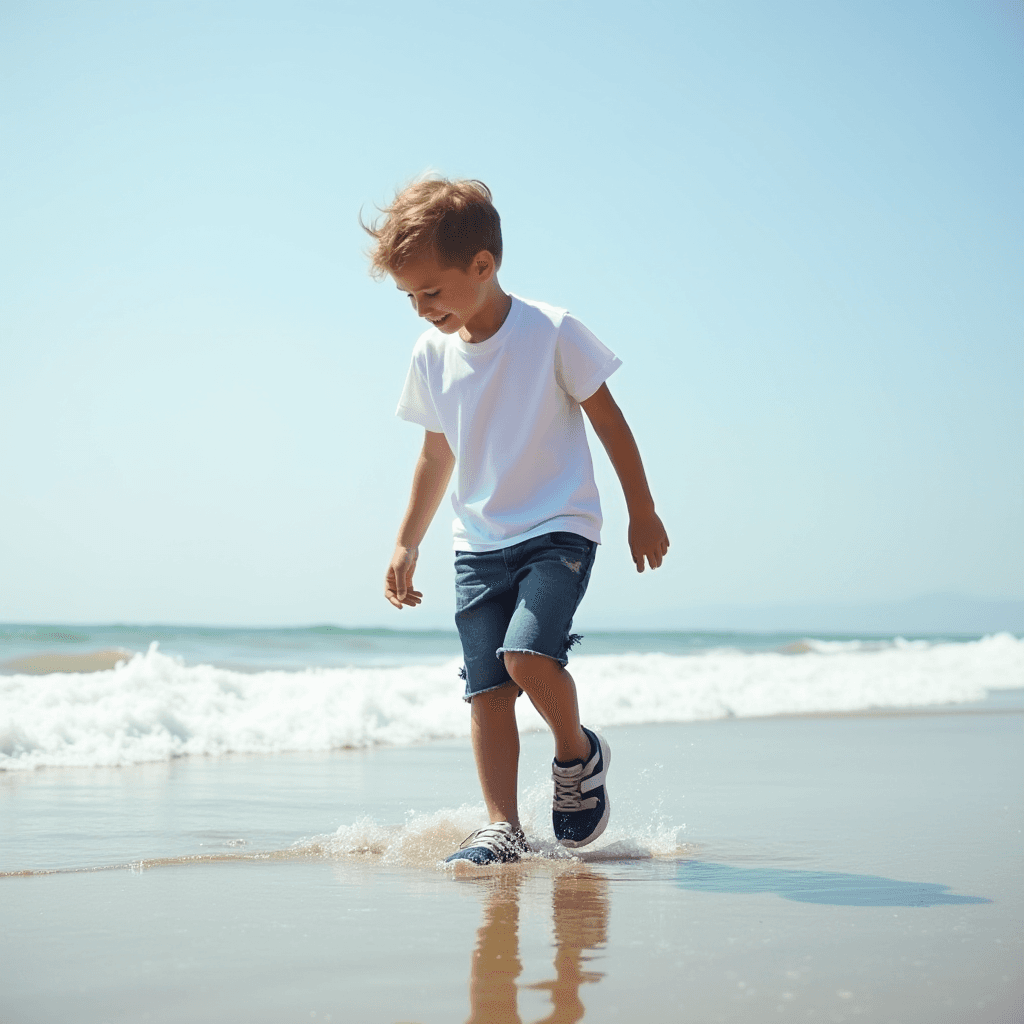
x: 488, y: 320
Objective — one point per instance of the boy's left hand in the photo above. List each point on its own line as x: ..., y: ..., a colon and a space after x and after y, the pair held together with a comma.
x: 647, y: 539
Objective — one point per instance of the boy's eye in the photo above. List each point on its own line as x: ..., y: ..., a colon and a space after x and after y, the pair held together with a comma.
x: 432, y: 295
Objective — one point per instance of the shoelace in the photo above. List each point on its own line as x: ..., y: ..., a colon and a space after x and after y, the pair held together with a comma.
x: 568, y: 793
x: 496, y: 839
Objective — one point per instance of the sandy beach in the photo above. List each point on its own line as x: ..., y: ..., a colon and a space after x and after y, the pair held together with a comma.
x: 862, y: 867
x: 44, y: 664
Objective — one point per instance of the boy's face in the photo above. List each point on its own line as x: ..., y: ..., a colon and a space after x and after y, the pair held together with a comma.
x: 450, y: 298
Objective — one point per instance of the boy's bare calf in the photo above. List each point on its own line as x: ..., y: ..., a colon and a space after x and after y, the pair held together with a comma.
x: 496, y: 751
x: 553, y: 693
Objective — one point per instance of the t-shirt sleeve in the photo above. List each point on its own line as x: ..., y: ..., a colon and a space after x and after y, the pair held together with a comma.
x: 416, y: 405
x: 582, y: 363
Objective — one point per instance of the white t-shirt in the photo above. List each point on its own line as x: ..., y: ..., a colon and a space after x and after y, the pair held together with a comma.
x: 510, y: 409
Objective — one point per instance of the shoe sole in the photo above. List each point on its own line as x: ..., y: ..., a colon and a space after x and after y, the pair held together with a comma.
x: 461, y: 858
x: 606, y: 757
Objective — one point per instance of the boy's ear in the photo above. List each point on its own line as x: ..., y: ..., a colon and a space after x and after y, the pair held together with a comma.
x: 483, y: 265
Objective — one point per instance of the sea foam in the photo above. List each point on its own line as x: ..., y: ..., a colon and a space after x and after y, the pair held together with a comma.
x: 154, y: 707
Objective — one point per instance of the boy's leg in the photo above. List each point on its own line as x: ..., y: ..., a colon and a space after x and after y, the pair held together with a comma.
x: 551, y: 573
x: 496, y: 749
x: 579, y: 812
x: 553, y: 693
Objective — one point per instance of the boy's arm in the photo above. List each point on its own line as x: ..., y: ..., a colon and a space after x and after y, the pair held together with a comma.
x: 647, y: 536
x: 429, y: 482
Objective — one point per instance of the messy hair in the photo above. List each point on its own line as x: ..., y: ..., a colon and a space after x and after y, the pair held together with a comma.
x: 449, y: 220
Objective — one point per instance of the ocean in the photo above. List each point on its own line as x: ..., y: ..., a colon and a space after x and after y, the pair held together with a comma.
x: 157, y: 693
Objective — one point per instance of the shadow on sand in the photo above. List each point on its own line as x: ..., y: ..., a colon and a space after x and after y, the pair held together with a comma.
x: 835, y: 888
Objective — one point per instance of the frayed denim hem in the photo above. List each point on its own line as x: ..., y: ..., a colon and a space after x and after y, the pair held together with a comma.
x: 570, y: 642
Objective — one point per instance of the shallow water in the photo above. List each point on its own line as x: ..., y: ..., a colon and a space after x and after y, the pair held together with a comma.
x: 731, y: 787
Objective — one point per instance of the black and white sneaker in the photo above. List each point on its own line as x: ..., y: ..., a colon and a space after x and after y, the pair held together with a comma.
x: 497, y: 843
x: 581, y: 806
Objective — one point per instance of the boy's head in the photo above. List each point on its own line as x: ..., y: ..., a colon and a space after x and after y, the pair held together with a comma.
x: 446, y: 221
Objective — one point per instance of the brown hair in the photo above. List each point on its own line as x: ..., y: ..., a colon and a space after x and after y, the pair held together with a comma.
x: 450, y: 220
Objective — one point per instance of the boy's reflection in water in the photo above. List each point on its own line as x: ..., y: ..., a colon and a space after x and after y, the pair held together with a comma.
x: 580, y: 911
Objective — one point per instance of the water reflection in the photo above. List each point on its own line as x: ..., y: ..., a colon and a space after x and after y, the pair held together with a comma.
x: 579, y: 907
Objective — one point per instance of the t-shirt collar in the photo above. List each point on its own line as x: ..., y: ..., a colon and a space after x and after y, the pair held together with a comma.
x: 497, y: 339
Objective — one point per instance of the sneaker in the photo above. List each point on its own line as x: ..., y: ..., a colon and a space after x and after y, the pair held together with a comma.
x: 581, y: 807
x: 498, y: 843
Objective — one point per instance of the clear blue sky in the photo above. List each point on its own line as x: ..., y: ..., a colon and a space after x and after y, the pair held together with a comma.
x: 798, y: 224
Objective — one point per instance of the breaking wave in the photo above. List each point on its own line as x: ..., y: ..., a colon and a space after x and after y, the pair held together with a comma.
x: 153, y: 707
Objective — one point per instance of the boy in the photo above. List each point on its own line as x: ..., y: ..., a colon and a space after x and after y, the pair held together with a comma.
x: 498, y: 383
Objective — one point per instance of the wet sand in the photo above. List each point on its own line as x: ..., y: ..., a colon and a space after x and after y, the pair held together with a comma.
x: 855, y: 868
x: 86, y: 661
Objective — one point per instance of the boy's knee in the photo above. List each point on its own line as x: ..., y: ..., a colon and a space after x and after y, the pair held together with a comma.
x: 497, y: 701
x: 526, y: 665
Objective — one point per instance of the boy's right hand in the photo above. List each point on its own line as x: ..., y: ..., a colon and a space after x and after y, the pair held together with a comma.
x: 398, y: 580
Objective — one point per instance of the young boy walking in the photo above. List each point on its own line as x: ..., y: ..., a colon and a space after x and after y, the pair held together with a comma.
x: 498, y: 384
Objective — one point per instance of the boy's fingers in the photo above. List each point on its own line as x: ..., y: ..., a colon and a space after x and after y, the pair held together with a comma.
x: 403, y: 595
x: 654, y: 558
x: 394, y: 587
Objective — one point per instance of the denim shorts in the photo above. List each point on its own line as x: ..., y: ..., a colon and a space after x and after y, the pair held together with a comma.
x: 519, y: 598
